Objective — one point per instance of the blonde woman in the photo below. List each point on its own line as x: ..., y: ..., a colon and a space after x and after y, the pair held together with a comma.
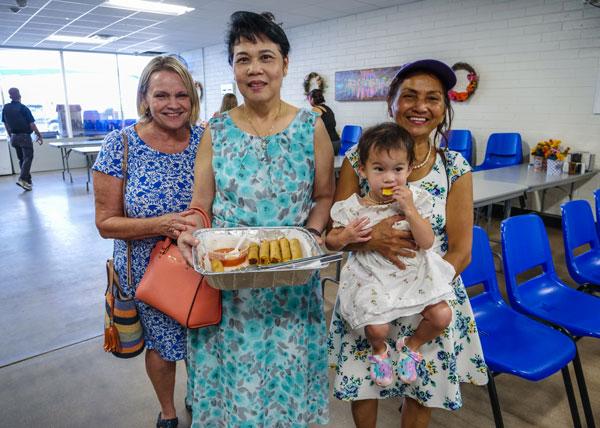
x: 229, y: 102
x: 162, y: 148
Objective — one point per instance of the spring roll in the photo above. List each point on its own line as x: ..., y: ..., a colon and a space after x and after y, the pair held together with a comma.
x: 275, y: 254
x: 216, y: 265
x: 286, y: 253
x: 296, y: 249
x: 264, y: 252
x: 253, y: 254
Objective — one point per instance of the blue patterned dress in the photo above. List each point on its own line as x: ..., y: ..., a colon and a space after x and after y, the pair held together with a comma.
x: 453, y: 357
x: 158, y: 183
x: 265, y: 365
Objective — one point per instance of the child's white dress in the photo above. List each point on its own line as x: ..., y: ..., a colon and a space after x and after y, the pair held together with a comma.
x: 372, y: 289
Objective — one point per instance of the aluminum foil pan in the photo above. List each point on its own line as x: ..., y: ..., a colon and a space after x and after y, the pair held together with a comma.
x: 259, y: 276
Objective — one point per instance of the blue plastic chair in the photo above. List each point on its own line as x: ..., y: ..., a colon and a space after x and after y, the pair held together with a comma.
x: 597, y: 202
x: 525, y: 246
x: 459, y: 140
x: 542, y: 351
x: 350, y: 136
x: 503, y: 149
x: 579, y: 229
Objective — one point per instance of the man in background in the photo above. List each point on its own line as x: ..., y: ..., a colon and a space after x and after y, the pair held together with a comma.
x: 19, y: 123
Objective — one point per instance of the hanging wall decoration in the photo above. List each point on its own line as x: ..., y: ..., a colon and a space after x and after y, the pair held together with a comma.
x: 370, y: 84
x: 312, y: 81
x: 472, y: 77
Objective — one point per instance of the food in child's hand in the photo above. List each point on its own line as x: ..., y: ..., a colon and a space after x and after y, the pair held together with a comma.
x: 275, y: 251
x: 296, y: 249
x: 286, y: 253
x: 264, y: 252
x: 387, y: 191
x: 253, y: 254
x: 216, y: 265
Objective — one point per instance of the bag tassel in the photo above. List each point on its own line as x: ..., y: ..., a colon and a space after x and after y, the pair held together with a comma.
x: 111, y: 339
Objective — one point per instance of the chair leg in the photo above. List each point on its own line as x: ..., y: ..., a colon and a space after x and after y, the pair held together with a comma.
x: 571, y: 397
x: 585, y: 399
x: 494, y: 401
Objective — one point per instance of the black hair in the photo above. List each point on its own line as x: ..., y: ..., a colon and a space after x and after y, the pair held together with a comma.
x: 386, y: 136
x: 446, y: 124
x: 250, y: 26
x: 317, y: 96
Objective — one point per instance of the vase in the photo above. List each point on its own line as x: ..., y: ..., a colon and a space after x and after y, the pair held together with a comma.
x: 538, y: 163
x: 554, y: 167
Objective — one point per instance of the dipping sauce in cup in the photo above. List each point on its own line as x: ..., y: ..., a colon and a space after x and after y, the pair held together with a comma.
x: 228, y: 257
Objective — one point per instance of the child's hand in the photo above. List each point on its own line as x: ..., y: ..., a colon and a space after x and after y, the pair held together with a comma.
x: 403, y: 195
x: 358, y: 230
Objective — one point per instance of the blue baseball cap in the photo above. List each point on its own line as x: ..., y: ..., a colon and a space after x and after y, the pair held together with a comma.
x: 433, y: 66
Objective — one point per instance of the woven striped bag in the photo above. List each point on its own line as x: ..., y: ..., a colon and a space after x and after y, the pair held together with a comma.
x: 123, y: 333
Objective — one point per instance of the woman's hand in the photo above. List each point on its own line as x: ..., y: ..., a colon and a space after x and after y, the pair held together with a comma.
x: 390, y: 242
x: 186, y: 242
x: 173, y: 224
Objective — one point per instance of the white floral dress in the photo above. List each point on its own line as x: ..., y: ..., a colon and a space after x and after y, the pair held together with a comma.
x: 453, y: 357
x: 372, y: 289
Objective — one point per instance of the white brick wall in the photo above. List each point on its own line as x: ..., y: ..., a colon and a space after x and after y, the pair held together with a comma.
x: 538, y: 62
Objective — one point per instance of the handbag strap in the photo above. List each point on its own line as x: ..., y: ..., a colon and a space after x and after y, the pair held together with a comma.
x: 124, y: 169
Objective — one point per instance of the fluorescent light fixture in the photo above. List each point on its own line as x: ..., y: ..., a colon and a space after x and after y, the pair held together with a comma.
x: 94, y: 40
x: 148, y: 6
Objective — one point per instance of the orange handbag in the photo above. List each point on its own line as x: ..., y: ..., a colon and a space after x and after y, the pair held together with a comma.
x: 176, y: 289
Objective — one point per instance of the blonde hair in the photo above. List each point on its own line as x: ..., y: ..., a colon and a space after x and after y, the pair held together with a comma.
x: 229, y: 102
x: 166, y: 63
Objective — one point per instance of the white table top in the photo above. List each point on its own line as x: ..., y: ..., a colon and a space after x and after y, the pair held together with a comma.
x: 89, y: 150
x: 525, y: 175
x: 75, y: 144
x: 487, y: 192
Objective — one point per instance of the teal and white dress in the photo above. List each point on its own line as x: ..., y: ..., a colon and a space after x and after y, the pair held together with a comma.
x: 453, y: 357
x: 265, y: 365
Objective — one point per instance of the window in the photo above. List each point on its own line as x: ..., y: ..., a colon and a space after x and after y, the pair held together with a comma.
x: 37, y: 75
x: 130, y: 69
x: 93, y: 92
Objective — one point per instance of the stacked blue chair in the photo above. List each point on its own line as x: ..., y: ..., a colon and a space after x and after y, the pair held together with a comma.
x: 459, y: 140
x: 597, y: 202
x: 513, y: 343
x: 525, y: 247
x: 579, y: 229
x: 503, y: 149
x: 350, y: 136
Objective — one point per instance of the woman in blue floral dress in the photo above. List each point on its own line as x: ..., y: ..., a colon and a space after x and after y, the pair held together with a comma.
x: 160, y: 164
x: 265, y: 163
x: 417, y: 101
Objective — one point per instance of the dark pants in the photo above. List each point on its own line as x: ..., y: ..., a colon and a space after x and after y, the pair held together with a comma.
x: 25, y: 155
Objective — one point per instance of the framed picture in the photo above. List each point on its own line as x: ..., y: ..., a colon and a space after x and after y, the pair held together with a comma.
x: 370, y: 84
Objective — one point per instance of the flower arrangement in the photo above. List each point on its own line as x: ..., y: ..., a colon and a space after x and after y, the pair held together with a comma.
x: 550, y: 149
x: 473, y: 79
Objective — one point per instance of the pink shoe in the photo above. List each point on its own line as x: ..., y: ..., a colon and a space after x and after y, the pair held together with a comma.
x: 407, y: 362
x: 381, y: 368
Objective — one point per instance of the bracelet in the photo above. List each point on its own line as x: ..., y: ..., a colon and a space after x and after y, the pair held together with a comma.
x: 314, y: 231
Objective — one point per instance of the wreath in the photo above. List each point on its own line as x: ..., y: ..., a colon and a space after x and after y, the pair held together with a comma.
x: 471, y: 87
x: 312, y: 81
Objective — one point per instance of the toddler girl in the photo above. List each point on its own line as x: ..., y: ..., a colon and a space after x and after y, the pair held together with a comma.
x: 373, y: 291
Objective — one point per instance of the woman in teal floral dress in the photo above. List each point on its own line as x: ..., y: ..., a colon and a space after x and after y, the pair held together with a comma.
x: 417, y: 101
x: 265, y: 163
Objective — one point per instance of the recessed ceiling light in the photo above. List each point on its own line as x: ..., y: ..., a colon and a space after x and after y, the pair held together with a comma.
x: 148, y: 6
x: 94, y: 40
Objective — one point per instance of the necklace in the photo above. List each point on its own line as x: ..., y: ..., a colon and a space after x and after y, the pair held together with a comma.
x: 426, y: 158
x: 263, y: 138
